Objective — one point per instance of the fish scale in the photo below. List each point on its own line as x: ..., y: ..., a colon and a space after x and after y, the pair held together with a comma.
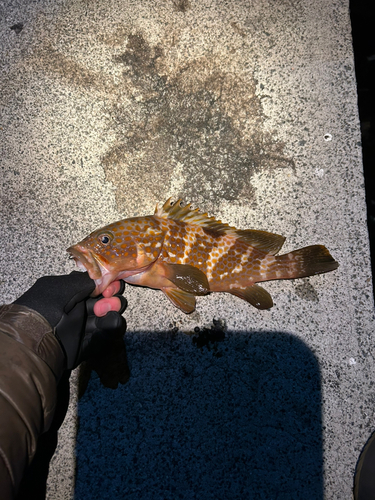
x: 186, y: 253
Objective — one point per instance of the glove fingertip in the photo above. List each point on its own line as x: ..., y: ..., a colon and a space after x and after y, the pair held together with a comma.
x: 122, y: 287
x: 124, y: 304
x: 111, y: 321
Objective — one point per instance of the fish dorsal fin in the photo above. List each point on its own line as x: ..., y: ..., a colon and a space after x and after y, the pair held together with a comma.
x: 262, y: 240
x: 175, y: 211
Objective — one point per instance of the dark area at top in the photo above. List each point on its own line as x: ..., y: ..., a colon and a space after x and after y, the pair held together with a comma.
x: 361, y: 12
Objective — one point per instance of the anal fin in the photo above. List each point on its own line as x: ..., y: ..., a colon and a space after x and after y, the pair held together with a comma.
x: 255, y: 295
x: 181, y: 299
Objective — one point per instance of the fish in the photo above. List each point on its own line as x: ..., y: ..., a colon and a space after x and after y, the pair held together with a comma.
x: 186, y: 253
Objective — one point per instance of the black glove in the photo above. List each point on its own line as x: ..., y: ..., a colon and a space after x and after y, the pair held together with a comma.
x: 66, y: 304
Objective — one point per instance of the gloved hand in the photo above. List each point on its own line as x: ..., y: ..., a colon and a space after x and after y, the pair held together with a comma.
x: 66, y: 304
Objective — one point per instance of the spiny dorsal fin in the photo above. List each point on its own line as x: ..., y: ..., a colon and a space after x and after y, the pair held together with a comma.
x: 175, y: 211
x: 262, y: 240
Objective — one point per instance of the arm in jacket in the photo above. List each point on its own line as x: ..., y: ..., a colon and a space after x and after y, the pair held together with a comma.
x: 31, y: 364
x: 49, y: 330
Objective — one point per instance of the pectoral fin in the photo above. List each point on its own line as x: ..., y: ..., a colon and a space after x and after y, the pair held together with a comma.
x: 255, y: 295
x: 188, y: 278
x: 181, y: 299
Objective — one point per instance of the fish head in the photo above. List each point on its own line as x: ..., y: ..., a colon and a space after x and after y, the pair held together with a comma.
x: 118, y: 250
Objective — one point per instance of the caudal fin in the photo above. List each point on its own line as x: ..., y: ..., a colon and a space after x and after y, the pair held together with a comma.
x: 307, y: 261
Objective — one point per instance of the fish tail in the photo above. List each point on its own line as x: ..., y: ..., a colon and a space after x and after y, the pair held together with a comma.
x: 307, y: 261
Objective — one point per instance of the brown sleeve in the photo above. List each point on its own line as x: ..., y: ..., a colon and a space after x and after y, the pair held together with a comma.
x: 31, y: 364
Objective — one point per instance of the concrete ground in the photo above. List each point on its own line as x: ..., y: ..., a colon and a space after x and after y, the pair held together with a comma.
x: 249, y: 111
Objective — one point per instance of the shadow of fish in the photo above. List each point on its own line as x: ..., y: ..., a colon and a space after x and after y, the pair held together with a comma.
x: 186, y: 253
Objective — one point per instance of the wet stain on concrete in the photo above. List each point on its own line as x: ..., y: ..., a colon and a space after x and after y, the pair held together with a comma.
x: 196, y: 130
x: 199, y: 125
x: 73, y: 73
x: 306, y: 291
x: 181, y: 5
x: 238, y: 29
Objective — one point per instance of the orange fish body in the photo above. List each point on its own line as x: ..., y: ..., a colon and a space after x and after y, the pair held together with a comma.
x: 185, y: 253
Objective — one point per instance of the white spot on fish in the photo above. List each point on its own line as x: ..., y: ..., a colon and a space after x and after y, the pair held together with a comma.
x: 236, y: 285
x: 263, y: 271
x: 233, y: 285
x: 237, y: 269
x: 152, y: 231
x: 352, y: 361
x: 188, y: 243
x: 245, y: 256
x: 319, y: 172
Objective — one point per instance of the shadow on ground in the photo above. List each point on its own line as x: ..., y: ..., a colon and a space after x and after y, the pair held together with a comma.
x: 239, y: 418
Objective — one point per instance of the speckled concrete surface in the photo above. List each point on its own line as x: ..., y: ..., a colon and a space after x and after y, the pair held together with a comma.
x: 248, y: 110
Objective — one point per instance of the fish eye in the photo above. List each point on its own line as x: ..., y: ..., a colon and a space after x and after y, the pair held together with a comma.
x: 104, y: 238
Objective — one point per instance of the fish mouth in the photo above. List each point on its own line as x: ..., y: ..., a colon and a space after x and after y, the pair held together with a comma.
x: 87, y: 260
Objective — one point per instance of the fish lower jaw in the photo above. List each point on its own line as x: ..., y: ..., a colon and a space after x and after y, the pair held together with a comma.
x: 102, y: 283
x: 81, y: 266
x: 103, y: 280
x: 108, y: 277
